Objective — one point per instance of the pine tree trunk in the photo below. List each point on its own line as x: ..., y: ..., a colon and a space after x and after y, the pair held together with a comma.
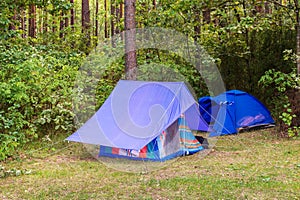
x: 85, y: 20
x: 298, y: 50
x: 105, y: 20
x: 130, y: 52
x: 96, y: 21
x: 117, y: 16
x: 66, y: 21
x: 85, y: 15
x: 297, y: 10
x: 40, y: 24
x: 197, y: 28
x: 31, y: 22
x: 298, y: 39
x: 121, y: 11
x: 23, y: 22
x: 72, y: 17
x: 120, y: 17
x: 112, y: 15
x: 61, y: 25
x: 45, y: 22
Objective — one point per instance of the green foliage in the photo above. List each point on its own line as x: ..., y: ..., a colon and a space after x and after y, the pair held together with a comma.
x: 12, y: 172
x: 37, y: 74
x: 35, y: 93
x: 279, y: 84
x: 160, y: 65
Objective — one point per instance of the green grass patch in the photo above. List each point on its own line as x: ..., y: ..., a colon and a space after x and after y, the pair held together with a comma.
x: 251, y: 165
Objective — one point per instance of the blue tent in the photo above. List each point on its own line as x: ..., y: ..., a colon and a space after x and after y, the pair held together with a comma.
x: 147, y: 120
x: 233, y: 110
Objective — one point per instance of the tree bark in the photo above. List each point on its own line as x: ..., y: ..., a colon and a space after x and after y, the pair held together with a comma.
x: 121, y: 11
x: 118, y: 19
x: 40, y: 18
x: 112, y: 16
x: 96, y: 21
x: 66, y: 21
x: 85, y: 20
x: 61, y: 25
x: 45, y: 21
x: 130, y: 46
x: 121, y: 16
x: 85, y: 15
x: 72, y: 17
x: 53, y: 23
x: 297, y: 37
x: 197, y: 28
x: 31, y: 22
x: 105, y: 20
x: 23, y: 22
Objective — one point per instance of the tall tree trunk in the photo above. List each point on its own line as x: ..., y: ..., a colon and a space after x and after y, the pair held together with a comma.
x: 72, y: 17
x: 40, y: 16
x: 154, y: 3
x: 86, y: 21
x: 32, y: 24
x: 66, y: 21
x: 45, y: 21
x: 130, y: 46
x: 118, y: 19
x: 85, y: 15
x: 96, y: 21
x: 121, y: 11
x: 298, y: 36
x: 112, y: 16
x: 23, y: 21
x: 61, y: 25
x: 105, y: 20
x: 197, y: 28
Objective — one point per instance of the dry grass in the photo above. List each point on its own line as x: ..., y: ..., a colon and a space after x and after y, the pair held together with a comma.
x: 250, y: 165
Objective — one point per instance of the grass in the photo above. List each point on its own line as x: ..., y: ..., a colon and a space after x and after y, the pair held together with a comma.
x: 251, y: 165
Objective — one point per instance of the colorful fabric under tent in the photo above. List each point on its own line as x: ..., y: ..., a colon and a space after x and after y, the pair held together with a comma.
x: 145, y: 120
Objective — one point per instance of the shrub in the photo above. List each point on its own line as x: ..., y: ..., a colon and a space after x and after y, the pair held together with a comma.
x: 280, y: 85
x: 35, y: 93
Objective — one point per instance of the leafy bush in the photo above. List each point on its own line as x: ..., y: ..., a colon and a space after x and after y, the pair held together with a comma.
x: 35, y: 93
x: 280, y: 84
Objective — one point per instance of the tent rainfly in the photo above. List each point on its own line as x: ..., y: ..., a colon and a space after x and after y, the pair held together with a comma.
x: 145, y: 120
x: 232, y: 111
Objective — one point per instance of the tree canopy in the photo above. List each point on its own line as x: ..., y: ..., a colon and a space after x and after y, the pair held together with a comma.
x: 255, y: 45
